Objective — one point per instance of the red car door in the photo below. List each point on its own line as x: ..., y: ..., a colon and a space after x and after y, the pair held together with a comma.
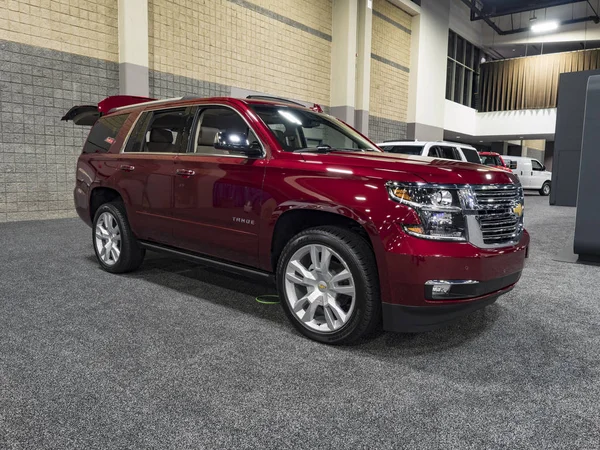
x: 218, y: 194
x: 146, y: 171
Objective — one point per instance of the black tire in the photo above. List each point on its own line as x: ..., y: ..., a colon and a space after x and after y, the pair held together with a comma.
x: 131, y: 254
x: 359, y: 257
x: 545, y: 190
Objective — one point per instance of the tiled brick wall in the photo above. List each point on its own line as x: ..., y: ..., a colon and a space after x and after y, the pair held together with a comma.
x: 279, y: 47
x: 167, y: 85
x: 58, y: 53
x: 390, y: 62
x: 53, y: 55
x: 82, y: 27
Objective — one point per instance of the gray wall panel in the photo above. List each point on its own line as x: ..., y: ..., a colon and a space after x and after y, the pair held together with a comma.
x: 382, y: 129
x: 567, y: 143
x: 587, y: 226
x: 38, y: 152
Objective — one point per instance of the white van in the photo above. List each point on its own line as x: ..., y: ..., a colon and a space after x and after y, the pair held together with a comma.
x: 444, y: 150
x: 531, y: 172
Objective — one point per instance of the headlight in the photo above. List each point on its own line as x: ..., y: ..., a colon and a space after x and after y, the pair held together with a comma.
x: 439, y: 210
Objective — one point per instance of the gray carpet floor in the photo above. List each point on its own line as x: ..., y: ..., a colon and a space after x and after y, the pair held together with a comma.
x: 179, y: 356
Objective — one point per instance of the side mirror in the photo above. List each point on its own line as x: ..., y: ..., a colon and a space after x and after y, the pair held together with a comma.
x: 544, y: 168
x: 236, y: 142
x: 512, y: 165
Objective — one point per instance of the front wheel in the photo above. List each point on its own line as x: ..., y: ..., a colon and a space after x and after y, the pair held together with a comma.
x: 545, y: 190
x: 115, y: 245
x: 328, y: 282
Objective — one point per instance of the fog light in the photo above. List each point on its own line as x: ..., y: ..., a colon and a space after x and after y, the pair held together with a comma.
x: 440, y: 289
x: 451, y: 289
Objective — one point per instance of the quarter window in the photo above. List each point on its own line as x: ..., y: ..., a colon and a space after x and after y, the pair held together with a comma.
x: 103, y: 133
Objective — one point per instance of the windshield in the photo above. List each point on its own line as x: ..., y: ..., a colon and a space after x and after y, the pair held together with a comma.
x: 404, y: 149
x: 298, y: 129
x: 490, y: 160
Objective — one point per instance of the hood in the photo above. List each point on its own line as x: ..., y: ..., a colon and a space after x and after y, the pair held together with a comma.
x: 430, y: 170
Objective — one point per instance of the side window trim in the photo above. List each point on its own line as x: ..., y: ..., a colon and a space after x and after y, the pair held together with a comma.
x: 196, y: 129
x: 458, y: 154
x: 130, y: 131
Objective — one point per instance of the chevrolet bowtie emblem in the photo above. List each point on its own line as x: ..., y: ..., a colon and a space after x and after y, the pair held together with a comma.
x: 518, y: 210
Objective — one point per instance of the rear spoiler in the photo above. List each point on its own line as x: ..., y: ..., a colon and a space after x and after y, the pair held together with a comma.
x: 89, y: 114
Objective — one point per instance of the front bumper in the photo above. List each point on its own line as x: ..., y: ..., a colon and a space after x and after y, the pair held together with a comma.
x: 416, y: 319
x: 412, y: 274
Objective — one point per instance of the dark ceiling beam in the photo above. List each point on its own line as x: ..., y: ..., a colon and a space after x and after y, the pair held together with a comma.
x: 522, y: 8
x: 594, y: 19
x: 477, y: 12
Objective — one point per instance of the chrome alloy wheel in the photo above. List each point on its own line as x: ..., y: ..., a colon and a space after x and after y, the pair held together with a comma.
x: 108, y: 239
x: 319, y: 288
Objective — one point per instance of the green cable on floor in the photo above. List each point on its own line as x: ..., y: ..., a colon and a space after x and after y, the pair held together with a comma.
x: 261, y: 299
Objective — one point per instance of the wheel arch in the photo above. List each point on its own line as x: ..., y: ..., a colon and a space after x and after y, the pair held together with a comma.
x: 101, y: 195
x: 294, y: 219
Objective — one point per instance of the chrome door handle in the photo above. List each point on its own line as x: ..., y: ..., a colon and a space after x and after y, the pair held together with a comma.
x: 126, y: 168
x: 185, y: 172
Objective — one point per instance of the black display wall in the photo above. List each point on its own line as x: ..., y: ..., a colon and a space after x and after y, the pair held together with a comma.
x: 569, y: 130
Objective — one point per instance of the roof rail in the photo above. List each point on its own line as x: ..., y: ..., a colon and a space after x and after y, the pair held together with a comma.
x: 401, y: 140
x: 157, y: 102
x: 279, y: 99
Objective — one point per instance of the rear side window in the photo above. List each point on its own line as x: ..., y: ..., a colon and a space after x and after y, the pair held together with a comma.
x: 165, y: 131
x: 103, y: 133
x: 404, y: 149
x: 471, y: 155
x: 439, y: 151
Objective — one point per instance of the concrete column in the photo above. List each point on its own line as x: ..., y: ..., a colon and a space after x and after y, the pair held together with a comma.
x: 133, y: 47
x: 363, y: 65
x: 428, y: 67
x: 343, y: 59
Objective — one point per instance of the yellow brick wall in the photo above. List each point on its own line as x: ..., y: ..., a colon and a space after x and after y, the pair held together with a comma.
x: 538, y: 144
x: 223, y: 42
x: 83, y: 27
x: 389, y: 85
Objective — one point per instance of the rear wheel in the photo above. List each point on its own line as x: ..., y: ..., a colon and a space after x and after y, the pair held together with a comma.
x: 327, y: 279
x: 115, y: 245
x: 545, y: 190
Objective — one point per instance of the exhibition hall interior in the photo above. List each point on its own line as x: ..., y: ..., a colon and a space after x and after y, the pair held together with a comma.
x: 299, y: 224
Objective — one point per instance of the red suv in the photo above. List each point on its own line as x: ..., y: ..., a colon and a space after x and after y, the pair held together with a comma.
x: 493, y: 159
x: 352, y: 236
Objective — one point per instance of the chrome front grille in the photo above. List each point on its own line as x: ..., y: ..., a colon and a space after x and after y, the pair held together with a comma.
x: 498, y: 213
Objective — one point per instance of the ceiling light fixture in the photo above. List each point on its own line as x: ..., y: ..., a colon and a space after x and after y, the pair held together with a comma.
x: 543, y: 27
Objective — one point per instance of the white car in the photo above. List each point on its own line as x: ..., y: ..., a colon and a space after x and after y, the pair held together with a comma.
x: 532, y: 173
x: 440, y: 149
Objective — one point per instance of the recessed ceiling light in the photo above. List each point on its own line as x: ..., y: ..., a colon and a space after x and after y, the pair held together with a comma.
x: 457, y: 137
x: 480, y: 141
